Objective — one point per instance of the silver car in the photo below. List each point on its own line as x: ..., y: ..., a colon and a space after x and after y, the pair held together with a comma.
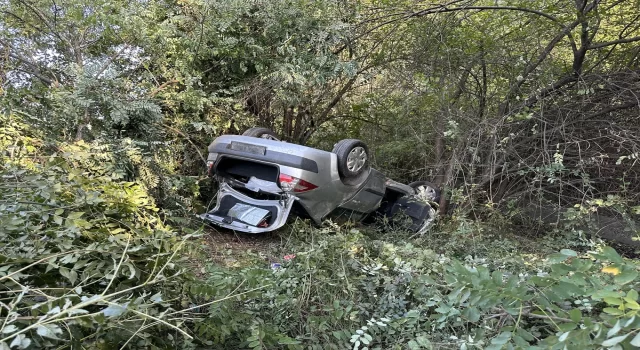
x: 264, y: 180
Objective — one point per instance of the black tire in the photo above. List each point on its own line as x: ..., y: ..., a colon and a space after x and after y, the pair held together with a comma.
x: 359, y: 162
x: 436, y: 190
x: 260, y: 132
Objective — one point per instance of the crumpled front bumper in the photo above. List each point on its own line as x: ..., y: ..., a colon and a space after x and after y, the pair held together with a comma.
x: 216, y: 216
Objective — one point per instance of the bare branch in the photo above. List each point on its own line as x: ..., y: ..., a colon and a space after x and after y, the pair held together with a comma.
x: 614, y: 42
x: 337, y: 98
x: 47, y: 23
x: 613, y: 108
x: 541, y: 57
x: 33, y: 69
x: 504, y: 8
x: 534, y: 98
x: 162, y: 86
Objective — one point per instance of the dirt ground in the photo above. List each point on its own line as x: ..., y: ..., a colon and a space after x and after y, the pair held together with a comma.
x: 226, y: 247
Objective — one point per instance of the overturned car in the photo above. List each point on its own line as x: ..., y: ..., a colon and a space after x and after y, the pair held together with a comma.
x: 264, y: 180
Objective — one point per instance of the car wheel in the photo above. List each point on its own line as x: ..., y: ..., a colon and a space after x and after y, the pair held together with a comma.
x: 426, y: 191
x: 353, y: 157
x: 263, y: 133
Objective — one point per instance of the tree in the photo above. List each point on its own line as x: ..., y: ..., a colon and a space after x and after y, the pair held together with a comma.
x: 71, y: 62
x: 513, y: 94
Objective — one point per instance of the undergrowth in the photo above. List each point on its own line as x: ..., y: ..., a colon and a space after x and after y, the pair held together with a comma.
x: 88, y: 259
x: 470, y: 288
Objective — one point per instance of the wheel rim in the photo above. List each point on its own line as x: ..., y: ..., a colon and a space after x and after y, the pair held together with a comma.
x: 268, y: 137
x: 426, y: 193
x: 356, y: 159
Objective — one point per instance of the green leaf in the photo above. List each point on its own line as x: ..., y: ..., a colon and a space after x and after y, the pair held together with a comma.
x: 132, y: 270
x: 519, y: 341
x: 613, y: 331
x: 567, y: 327
x: 565, y: 290
x: 630, y: 321
x: 21, y: 341
x: 575, y: 315
x: 525, y: 334
x: 557, y: 258
x: 497, y: 277
x: 472, y: 314
x: 632, y: 304
x: 9, y: 329
x: 423, y: 341
x: 564, y: 336
x: 636, y: 340
x: 156, y: 298
x: 612, y: 255
x: 600, y: 294
x: 115, y: 310
x: 49, y: 331
x: 625, y: 277
x: 501, y: 339
x: 568, y: 252
x: 75, y: 215
x: 288, y: 341
x: 633, y: 294
x: 613, y: 301
x: 612, y: 311
x: 614, y: 341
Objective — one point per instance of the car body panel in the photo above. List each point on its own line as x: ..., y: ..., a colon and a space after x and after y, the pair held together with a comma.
x: 369, y: 196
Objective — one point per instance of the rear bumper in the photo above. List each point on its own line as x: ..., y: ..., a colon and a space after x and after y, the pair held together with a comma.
x: 227, y: 195
x: 269, y: 151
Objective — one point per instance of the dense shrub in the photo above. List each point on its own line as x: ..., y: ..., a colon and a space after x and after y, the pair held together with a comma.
x: 345, y: 289
x: 84, y: 257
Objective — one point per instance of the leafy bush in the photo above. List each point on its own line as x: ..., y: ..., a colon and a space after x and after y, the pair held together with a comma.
x: 84, y: 257
x: 345, y: 289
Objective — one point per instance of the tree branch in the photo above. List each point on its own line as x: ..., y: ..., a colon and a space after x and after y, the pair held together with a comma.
x: 614, y: 42
x: 38, y: 75
x: 188, y: 140
x: 162, y: 86
x: 613, y: 109
x: 110, y: 60
x: 533, y: 65
x: 533, y: 99
x: 404, y: 16
x: 22, y: 20
x: 34, y: 69
x: 505, y: 8
x: 46, y: 22
x: 336, y: 99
